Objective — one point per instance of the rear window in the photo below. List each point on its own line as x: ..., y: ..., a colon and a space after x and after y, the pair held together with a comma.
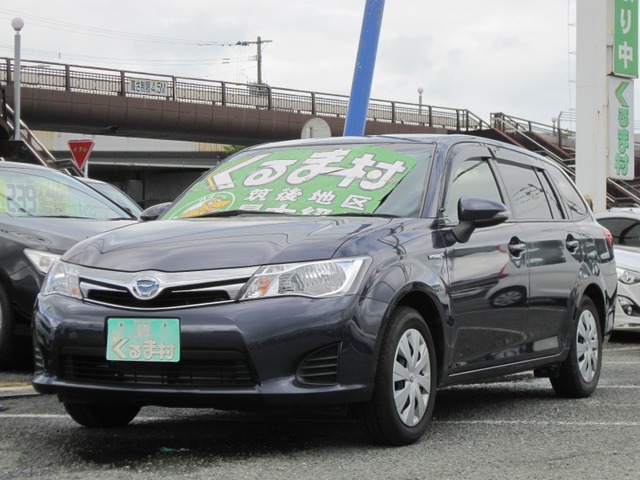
x: 571, y: 198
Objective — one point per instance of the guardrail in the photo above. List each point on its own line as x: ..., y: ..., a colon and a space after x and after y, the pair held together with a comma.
x: 558, y: 136
x: 565, y: 139
x: 562, y: 137
x: 105, y: 81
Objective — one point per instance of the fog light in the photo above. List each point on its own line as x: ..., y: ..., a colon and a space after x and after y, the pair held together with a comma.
x: 628, y: 306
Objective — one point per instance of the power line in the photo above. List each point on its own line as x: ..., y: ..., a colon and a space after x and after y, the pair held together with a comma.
x: 80, y: 29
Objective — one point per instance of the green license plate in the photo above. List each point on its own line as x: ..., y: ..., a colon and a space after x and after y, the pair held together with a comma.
x: 143, y: 339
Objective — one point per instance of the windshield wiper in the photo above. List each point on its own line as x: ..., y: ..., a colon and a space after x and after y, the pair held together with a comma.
x: 82, y: 218
x: 384, y: 215
x: 236, y: 213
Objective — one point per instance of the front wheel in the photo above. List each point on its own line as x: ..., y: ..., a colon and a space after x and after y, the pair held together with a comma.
x: 580, y: 372
x: 94, y: 415
x: 405, y: 384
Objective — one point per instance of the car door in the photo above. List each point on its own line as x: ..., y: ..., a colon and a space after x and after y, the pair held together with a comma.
x: 553, y: 245
x: 488, y: 274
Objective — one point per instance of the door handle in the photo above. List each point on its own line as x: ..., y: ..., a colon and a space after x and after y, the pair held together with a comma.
x: 572, y: 244
x: 516, y: 247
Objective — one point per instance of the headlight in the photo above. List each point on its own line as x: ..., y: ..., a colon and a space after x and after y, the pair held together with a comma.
x: 62, y: 279
x: 628, y: 276
x: 41, y: 260
x: 312, y: 279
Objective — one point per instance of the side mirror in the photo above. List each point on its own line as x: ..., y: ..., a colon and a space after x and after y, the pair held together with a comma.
x: 155, y: 211
x: 475, y: 212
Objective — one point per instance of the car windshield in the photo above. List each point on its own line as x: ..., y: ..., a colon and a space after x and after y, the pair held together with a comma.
x: 383, y: 179
x: 116, y: 195
x: 52, y: 194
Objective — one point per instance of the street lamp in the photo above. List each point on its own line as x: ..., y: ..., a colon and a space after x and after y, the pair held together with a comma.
x: 420, y: 90
x: 17, y: 24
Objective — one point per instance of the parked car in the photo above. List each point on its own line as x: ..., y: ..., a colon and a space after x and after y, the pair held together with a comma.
x: 628, y: 304
x: 354, y: 271
x: 43, y: 212
x: 114, y: 194
x: 624, y: 225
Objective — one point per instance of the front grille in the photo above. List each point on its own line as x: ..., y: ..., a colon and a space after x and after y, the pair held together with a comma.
x: 173, y: 289
x: 170, y: 298
x: 321, y: 367
x: 195, y: 369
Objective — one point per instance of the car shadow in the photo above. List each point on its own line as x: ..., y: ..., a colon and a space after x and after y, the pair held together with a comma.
x: 197, y: 434
x: 625, y: 337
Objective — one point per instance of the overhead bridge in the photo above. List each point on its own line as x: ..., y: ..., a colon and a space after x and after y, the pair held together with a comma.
x: 99, y: 101
x: 87, y: 100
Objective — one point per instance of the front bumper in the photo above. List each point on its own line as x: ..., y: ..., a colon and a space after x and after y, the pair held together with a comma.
x: 627, y: 307
x: 281, y: 351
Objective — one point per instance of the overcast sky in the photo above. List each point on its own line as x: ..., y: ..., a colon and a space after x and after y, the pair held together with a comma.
x: 510, y: 56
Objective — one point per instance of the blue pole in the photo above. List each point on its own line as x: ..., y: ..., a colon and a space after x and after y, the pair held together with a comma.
x: 363, y: 72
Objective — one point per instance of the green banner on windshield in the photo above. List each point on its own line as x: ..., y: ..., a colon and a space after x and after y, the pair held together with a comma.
x: 299, y: 182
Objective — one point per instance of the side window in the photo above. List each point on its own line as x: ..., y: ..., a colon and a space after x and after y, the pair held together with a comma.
x: 528, y: 197
x: 472, y: 178
x: 554, y: 202
x: 573, y: 201
x: 625, y: 231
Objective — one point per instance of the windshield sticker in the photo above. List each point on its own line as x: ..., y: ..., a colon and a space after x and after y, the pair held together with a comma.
x: 31, y: 198
x: 301, y: 182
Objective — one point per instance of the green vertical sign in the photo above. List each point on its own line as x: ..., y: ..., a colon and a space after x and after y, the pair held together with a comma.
x: 625, y: 38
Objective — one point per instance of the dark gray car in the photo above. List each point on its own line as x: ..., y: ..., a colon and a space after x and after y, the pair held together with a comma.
x: 43, y: 212
x: 342, y: 272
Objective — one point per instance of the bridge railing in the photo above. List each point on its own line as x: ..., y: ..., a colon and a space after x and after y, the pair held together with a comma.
x: 105, y: 81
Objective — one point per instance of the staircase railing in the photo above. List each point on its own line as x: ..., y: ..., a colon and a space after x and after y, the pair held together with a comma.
x: 35, y: 150
x: 510, y: 125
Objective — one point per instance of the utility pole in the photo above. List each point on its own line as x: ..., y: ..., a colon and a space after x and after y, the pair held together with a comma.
x: 258, y: 43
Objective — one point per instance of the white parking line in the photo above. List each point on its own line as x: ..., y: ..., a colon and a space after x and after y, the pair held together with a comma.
x: 618, y: 386
x: 539, y: 422
x: 451, y: 422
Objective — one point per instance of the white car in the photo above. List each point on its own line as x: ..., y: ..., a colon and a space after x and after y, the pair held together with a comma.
x: 628, y: 304
x: 624, y: 225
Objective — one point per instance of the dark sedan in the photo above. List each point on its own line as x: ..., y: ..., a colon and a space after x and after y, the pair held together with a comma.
x: 43, y: 212
x: 343, y: 272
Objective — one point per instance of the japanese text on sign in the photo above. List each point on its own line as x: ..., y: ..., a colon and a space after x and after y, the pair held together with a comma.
x: 147, y: 86
x: 304, y: 182
x: 625, y: 42
x: 621, y: 143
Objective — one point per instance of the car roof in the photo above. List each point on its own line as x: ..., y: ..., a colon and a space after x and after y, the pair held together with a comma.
x: 445, y: 140
x: 618, y: 213
x: 26, y: 166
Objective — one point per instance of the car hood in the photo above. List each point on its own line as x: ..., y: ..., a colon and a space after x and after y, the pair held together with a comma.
x: 627, y: 257
x: 56, y: 235
x: 202, y: 244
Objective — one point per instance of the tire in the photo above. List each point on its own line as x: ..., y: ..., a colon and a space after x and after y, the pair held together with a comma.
x: 7, y: 340
x: 407, y: 372
x: 580, y: 372
x: 94, y: 415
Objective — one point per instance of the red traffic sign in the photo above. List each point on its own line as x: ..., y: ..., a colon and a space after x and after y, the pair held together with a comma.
x: 80, y: 149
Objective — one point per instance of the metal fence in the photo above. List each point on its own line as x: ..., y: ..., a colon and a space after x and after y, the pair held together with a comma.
x: 105, y: 81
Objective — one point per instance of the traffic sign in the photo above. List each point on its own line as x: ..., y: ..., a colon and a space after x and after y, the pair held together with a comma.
x: 80, y: 149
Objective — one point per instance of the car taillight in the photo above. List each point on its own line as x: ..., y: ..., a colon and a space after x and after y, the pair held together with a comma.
x: 607, y: 234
